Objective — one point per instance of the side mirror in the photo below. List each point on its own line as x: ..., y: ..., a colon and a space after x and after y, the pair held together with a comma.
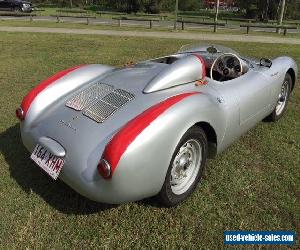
x: 265, y: 62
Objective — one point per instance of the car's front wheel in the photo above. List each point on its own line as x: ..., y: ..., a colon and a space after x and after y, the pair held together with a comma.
x: 186, y: 167
x: 283, y: 98
x: 17, y: 9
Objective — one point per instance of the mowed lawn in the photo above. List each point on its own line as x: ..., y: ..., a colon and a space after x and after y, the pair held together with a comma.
x: 253, y: 185
x: 126, y: 27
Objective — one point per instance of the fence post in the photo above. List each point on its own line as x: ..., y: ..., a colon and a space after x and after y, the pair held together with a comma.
x: 31, y: 18
x: 150, y: 24
x: 285, y: 31
x: 87, y: 20
x: 182, y: 25
x: 120, y: 23
x: 248, y: 29
x: 57, y: 18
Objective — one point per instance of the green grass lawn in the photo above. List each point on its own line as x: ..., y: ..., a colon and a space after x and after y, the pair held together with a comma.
x: 83, y: 25
x: 46, y: 11
x: 253, y: 185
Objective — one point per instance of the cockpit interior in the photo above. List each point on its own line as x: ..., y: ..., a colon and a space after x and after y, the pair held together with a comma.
x: 221, y: 63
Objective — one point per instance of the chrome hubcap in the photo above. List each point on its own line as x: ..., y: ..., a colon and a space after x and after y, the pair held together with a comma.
x: 282, y: 98
x: 185, y: 166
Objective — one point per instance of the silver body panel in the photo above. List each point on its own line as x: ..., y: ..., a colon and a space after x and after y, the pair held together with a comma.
x: 63, y: 113
x: 190, y: 70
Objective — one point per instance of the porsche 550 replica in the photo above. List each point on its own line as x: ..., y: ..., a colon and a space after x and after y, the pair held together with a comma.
x: 123, y: 134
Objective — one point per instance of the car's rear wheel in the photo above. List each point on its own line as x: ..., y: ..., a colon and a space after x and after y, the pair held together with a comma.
x: 283, y: 98
x: 186, y: 167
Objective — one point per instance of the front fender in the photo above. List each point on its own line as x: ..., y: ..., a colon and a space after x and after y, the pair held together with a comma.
x: 283, y: 64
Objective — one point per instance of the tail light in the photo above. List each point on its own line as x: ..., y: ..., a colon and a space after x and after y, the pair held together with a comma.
x: 104, y: 169
x: 20, y: 114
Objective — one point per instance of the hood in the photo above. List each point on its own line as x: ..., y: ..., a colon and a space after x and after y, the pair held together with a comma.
x: 88, y: 118
x: 87, y: 100
x: 159, y: 74
x: 81, y: 111
x: 25, y: 2
x: 134, y: 78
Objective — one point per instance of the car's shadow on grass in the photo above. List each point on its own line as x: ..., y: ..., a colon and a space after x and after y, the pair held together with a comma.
x: 32, y: 179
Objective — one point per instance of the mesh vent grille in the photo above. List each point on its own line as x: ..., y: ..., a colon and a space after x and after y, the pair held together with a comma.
x: 115, y: 99
x: 99, y: 101
x: 124, y: 93
x: 100, y: 111
x: 89, y: 96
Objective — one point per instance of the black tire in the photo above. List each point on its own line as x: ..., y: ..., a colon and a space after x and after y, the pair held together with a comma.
x: 17, y: 9
x: 166, y: 196
x: 275, y: 115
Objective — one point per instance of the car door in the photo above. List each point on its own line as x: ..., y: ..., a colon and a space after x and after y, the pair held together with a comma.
x: 2, y: 5
x: 253, y: 91
x: 5, y: 5
x: 245, y: 101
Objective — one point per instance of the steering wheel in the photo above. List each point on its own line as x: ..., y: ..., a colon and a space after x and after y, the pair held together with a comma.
x: 228, y: 65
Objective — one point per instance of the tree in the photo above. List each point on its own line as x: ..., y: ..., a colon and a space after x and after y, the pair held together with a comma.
x: 216, y: 15
x: 260, y: 9
x: 176, y: 13
x: 189, y: 5
x: 292, y: 9
x: 152, y: 6
x: 280, y: 17
x: 269, y: 9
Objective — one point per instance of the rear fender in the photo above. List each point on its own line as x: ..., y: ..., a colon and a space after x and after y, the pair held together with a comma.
x: 142, y: 168
x: 46, y: 95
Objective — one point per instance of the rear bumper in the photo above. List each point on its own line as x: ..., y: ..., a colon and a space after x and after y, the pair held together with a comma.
x: 81, y: 174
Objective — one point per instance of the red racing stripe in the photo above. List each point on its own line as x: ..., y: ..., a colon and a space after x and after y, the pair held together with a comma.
x: 28, y: 99
x: 203, y: 65
x: 120, y: 142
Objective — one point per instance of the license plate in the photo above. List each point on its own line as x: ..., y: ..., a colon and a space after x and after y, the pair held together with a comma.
x: 47, y: 161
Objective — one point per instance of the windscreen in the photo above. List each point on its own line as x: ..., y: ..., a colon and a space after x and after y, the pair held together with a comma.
x: 208, y: 48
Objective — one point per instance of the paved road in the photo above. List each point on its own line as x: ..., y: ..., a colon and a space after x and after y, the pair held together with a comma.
x: 172, y: 35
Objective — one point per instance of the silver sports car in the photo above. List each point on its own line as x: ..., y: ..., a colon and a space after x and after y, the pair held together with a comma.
x: 123, y: 134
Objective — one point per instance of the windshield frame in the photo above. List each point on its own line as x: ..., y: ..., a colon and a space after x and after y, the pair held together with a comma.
x: 208, y: 48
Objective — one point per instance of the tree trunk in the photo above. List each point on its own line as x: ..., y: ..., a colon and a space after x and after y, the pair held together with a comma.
x: 281, y: 14
x: 216, y: 15
x: 266, y: 17
x: 176, y: 13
